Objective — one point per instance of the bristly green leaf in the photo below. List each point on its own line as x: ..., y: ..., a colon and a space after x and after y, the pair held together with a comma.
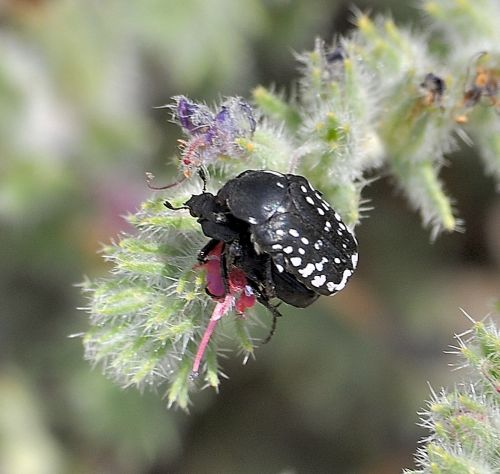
x: 465, y: 422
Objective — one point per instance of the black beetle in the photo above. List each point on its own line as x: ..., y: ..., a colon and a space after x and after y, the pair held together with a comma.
x: 279, y: 231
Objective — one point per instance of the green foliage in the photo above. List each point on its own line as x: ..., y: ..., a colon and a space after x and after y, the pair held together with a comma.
x: 363, y: 109
x: 465, y: 422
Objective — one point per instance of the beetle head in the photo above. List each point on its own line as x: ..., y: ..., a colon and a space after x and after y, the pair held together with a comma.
x: 202, y: 205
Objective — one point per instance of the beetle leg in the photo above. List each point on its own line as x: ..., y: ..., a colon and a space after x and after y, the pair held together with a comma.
x: 269, y: 283
x: 203, y: 176
x: 272, y: 309
x: 203, y: 253
x: 224, y: 271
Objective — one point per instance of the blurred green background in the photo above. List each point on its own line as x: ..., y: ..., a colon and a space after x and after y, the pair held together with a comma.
x: 338, y: 388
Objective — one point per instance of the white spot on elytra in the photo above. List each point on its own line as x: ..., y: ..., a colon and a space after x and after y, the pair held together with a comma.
x: 288, y: 249
x: 318, y: 280
x: 318, y: 244
x: 281, y: 209
x: 302, y: 251
x: 303, y: 188
x: 336, y: 260
x: 320, y: 211
x: 252, y: 220
x: 296, y: 261
x: 307, y: 270
x: 337, y: 217
x: 318, y: 195
x: 325, y: 205
x: 304, y: 240
x: 281, y: 185
x: 319, y: 266
x: 354, y: 260
x: 342, y: 226
x: 339, y: 232
x: 310, y: 200
x: 327, y: 224
x: 279, y: 267
x: 324, y: 260
x: 345, y: 276
x: 293, y: 233
x: 344, y: 245
x: 277, y: 247
x: 331, y: 286
x: 280, y: 232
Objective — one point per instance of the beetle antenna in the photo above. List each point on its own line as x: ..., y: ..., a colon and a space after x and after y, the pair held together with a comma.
x: 169, y: 205
x: 150, y: 177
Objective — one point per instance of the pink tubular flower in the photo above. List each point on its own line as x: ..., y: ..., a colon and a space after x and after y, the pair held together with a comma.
x: 239, y: 295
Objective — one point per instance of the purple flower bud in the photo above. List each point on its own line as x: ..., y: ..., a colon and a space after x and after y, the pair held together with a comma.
x: 194, y: 118
x: 211, y: 135
x: 223, y: 118
x: 234, y: 120
x: 239, y: 112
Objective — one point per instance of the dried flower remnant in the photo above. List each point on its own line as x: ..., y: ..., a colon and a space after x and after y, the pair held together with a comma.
x: 482, y: 88
x: 434, y: 88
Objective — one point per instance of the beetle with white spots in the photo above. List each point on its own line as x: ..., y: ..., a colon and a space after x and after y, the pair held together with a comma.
x: 318, y: 248
x: 280, y: 233
x: 290, y: 222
